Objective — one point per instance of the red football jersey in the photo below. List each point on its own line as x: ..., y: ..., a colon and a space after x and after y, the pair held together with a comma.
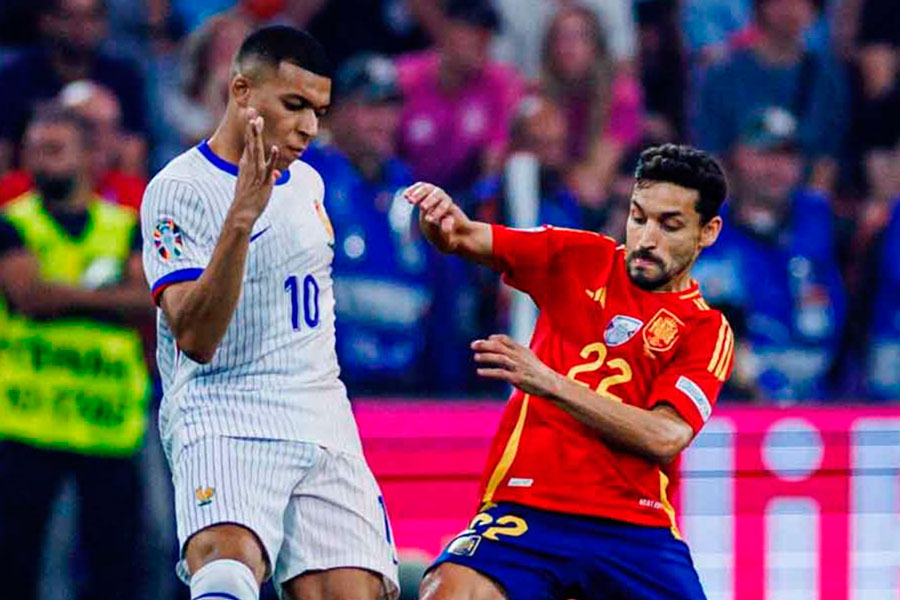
x: 629, y: 345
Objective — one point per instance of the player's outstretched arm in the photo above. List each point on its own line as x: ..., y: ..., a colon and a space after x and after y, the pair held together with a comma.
x: 658, y: 434
x: 447, y: 227
x: 199, y: 312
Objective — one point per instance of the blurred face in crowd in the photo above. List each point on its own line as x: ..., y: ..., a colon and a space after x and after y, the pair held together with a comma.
x: 765, y: 181
x: 366, y: 130
x: 56, y: 155
x: 543, y: 130
x: 76, y: 27
x: 664, y: 235
x: 572, y: 45
x: 291, y: 101
x: 100, y: 108
x: 464, y: 47
x: 786, y: 19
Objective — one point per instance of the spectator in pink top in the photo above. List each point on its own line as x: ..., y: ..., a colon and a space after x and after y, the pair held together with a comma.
x: 602, y: 105
x: 458, y: 103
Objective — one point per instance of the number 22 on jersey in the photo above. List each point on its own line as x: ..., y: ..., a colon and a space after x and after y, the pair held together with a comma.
x: 599, y: 351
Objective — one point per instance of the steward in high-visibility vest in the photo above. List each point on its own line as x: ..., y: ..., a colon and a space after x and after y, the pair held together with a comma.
x: 75, y: 382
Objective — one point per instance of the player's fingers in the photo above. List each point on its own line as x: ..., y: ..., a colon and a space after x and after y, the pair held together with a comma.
x: 440, y: 210
x: 270, y: 164
x: 501, y: 374
x: 249, y: 147
x: 499, y: 360
x: 489, y: 346
x: 413, y: 192
x: 504, y: 340
x: 447, y: 224
x: 433, y: 197
x: 259, y: 149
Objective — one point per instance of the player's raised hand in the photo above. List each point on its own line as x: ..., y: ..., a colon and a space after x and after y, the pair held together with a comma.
x: 442, y: 222
x: 500, y: 357
x: 256, y: 173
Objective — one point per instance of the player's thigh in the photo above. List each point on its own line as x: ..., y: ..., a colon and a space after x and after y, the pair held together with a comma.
x: 449, y: 581
x: 336, y: 584
x: 641, y: 563
x: 337, y: 519
x: 230, y: 498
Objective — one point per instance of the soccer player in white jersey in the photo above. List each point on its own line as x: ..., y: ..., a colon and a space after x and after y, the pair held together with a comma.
x: 269, y: 476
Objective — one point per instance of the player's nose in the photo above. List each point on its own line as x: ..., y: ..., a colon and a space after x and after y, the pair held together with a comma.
x: 308, y: 124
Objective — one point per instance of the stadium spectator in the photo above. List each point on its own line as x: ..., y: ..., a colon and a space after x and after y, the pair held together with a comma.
x: 773, y: 270
x: 602, y: 105
x: 457, y: 103
x: 522, y: 39
x: 381, y: 267
x: 193, y: 106
x: 777, y: 69
x: 73, y: 382
x: 882, y: 373
x: 100, y: 110
x: 70, y: 51
x: 381, y: 26
x: 539, y: 128
x: 709, y: 25
x: 663, y: 71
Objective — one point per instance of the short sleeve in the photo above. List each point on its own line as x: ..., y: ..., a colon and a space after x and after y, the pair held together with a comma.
x: 529, y: 258
x: 692, y: 381
x: 178, y: 240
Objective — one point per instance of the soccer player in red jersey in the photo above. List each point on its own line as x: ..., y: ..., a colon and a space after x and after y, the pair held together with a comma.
x: 623, y: 370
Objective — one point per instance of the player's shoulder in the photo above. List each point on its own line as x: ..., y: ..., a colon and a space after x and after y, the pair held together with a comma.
x: 185, y: 167
x: 701, y: 316
x: 307, y: 178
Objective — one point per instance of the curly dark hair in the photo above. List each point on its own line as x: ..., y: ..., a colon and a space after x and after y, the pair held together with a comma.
x: 687, y: 167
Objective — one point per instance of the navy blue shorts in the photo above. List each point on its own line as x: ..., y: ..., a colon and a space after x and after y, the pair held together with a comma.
x: 539, y: 555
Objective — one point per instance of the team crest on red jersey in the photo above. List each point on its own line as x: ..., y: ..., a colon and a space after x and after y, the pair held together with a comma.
x: 662, y: 331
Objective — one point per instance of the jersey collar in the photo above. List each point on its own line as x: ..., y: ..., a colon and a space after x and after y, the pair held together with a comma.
x: 231, y: 168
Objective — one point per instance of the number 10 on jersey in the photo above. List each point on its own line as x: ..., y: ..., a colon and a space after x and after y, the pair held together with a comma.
x: 310, y: 300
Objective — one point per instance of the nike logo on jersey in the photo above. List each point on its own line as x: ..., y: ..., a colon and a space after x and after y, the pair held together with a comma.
x: 259, y: 233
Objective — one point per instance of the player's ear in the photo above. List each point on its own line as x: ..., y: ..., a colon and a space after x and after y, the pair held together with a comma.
x: 240, y: 90
x: 709, y: 232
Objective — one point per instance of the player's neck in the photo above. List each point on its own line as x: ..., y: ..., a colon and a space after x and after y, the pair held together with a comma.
x: 680, y: 283
x: 228, y: 140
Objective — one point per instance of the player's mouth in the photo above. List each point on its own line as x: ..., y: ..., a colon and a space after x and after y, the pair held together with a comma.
x: 295, y: 151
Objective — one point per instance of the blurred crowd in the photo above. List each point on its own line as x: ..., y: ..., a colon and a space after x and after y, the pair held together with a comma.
x: 504, y: 100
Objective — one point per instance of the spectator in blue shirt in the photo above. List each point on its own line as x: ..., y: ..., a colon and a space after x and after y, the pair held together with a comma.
x: 776, y: 68
x: 381, y: 268
x: 883, y: 372
x: 773, y: 269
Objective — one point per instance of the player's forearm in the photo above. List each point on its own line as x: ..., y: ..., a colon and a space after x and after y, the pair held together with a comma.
x: 201, y: 316
x: 45, y: 299
x: 630, y: 428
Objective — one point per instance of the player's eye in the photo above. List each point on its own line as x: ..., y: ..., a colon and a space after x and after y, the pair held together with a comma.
x: 671, y: 226
x: 295, y: 106
x: 639, y: 219
x: 322, y: 112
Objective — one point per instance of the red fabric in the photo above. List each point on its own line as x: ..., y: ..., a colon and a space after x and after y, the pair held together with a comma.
x: 559, y: 463
x: 115, y: 186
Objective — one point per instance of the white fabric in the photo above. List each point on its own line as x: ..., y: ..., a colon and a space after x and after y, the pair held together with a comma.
x: 312, y: 508
x: 275, y: 373
x: 224, y: 579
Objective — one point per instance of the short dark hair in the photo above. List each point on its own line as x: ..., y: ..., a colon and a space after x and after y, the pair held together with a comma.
x: 688, y: 167
x: 276, y: 43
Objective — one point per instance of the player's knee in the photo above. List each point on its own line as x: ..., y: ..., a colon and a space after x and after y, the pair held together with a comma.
x: 456, y: 582
x: 227, y: 542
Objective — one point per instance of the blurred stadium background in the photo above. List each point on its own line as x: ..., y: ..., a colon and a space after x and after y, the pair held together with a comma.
x: 528, y: 111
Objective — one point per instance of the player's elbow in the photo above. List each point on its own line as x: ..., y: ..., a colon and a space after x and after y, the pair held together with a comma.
x: 668, y: 442
x: 197, y: 350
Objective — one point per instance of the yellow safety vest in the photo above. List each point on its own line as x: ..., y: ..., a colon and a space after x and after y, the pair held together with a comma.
x: 75, y: 384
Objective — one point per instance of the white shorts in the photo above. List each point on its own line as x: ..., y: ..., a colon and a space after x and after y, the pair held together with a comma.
x: 312, y: 508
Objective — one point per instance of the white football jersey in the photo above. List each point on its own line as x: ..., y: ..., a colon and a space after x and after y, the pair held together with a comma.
x: 275, y: 373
